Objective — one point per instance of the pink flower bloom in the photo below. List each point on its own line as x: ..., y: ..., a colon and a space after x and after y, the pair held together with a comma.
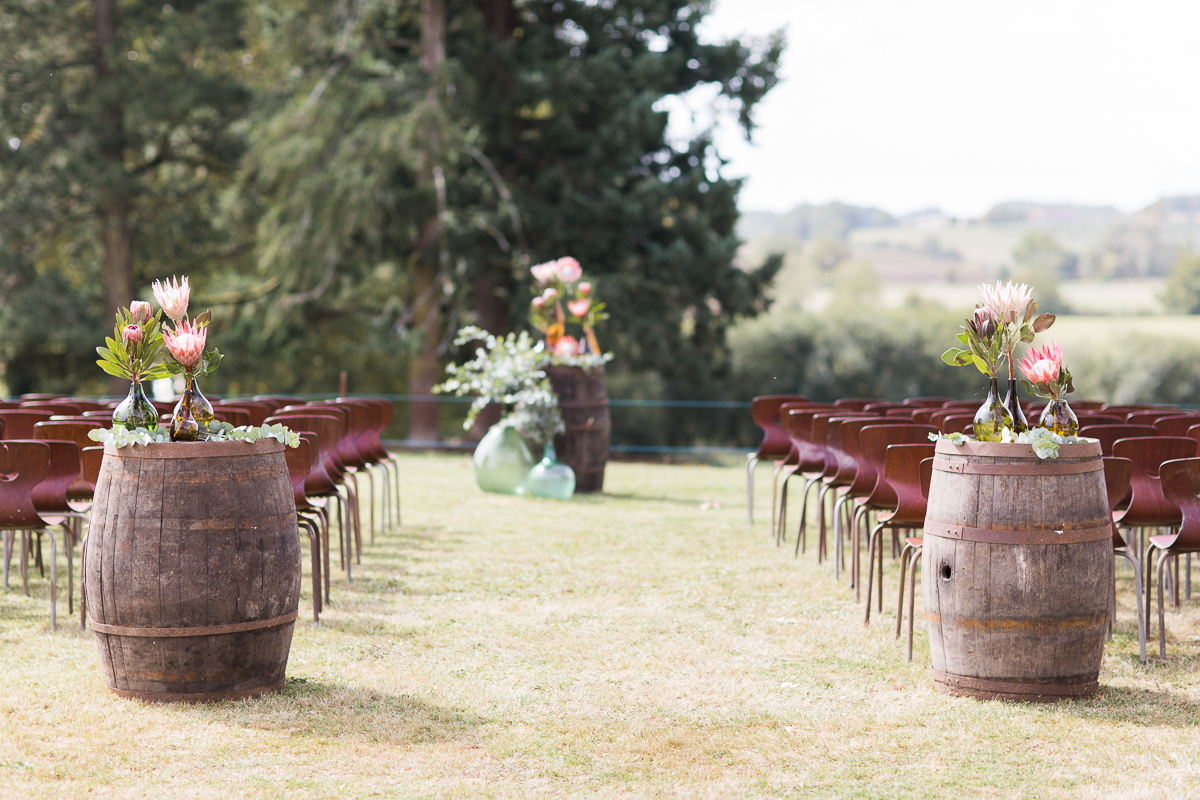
x: 585, y: 289
x: 140, y: 310
x: 186, y: 343
x: 173, y: 297
x: 550, y: 294
x: 567, y: 346
x: 545, y: 273
x: 569, y: 270
x: 539, y: 302
x: 579, y: 307
x: 1043, y: 364
x: 132, y: 334
x: 1007, y: 302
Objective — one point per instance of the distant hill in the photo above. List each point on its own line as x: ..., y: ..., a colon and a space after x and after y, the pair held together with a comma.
x: 1052, y: 214
x: 805, y: 221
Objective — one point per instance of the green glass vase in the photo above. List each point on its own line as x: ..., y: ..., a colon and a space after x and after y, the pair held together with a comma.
x: 193, y: 416
x: 992, y: 417
x: 1012, y: 404
x: 135, y: 411
x: 550, y: 477
x: 502, y: 460
x: 1057, y: 417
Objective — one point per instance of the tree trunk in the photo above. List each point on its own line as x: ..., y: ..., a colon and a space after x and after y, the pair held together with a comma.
x: 114, y: 200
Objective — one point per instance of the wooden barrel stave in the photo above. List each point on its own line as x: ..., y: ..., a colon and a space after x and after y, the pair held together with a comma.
x: 182, y: 544
x: 583, y: 401
x: 1009, y: 618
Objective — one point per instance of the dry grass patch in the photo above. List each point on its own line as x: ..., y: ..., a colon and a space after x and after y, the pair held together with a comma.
x: 646, y: 643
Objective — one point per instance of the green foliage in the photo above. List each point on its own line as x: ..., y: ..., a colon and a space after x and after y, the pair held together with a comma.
x: 123, y: 437
x: 1182, y: 292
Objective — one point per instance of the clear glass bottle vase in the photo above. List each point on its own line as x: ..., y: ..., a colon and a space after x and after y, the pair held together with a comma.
x: 1012, y: 404
x: 193, y: 416
x: 992, y: 417
x: 1057, y: 417
x: 550, y: 477
x: 135, y: 411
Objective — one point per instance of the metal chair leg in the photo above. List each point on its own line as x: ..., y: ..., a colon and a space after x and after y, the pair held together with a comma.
x: 751, y: 463
x: 1137, y: 593
x: 912, y: 597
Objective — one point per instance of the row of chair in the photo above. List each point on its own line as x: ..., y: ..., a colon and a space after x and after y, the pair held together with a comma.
x: 874, y: 457
x: 50, y: 469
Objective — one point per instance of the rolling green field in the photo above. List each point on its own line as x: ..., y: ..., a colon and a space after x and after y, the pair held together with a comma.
x: 643, y: 643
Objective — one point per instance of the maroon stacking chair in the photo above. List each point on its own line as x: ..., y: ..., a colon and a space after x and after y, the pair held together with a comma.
x: 855, y: 403
x: 821, y: 430
x: 904, y: 412
x: 366, y: 419
x: 1176, y: 424
x: 1117, y: 472
x: 376, y: 455
x: 881, y: 408
x: 1087, y: 405
x: 957, y: 423
x: 100, y: 415
x: 50, y: 499
x: 939, y: 414
x: 968, y: 404
x: 909, y: 557
x: 86, y: 404
x: 10, y: 404
x: 37, y: 396
x: 53, y: 406
x: 353, y: 451
x: 1180, y: 486
x: 25, y: 464
x: 844, y: 467
x: 323, y: 481
x: 874, y: 441
x: 349, y: 461
x: 923, y: 416
x: 278, y: 401
x: 902, y: 471
x: 258, y: 411
x: 1097, y: 418
x: 1109, y: 434
x: 388, y: 460
x: 804, y: 459
x: 784, y: 467
x: 764, y: 410
x: 927, y: 402
x: 300, y: 461
x: 1149, y: 417
x: 19, y: 422
x: 1148, y: 506
x: 863, y: 476
x: 237, y: 417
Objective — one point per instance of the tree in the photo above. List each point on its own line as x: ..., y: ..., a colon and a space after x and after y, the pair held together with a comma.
x: 1182, y: 291
x: 1041, y: 261
x: 119, y: 139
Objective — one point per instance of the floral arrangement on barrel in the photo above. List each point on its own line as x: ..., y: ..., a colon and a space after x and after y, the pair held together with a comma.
x: 1006, y: 317
x: 557, y: 284
x: 1048, y: 377
x: 137, y: 340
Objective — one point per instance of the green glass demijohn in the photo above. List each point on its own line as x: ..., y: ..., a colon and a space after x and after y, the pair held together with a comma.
x: 135, y: 411
x: 1057, y: 417
x: 193, y: 416
x: 502, y: 460
x: 551, y: 478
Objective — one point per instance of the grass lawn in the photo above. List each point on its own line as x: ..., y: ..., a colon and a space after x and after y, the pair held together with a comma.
x: 644, y: 643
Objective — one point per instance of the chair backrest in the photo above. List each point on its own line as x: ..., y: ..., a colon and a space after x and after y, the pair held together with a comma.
x: 798, y: 424
x: 237, y: 417
x: 865, y: 474
x: 76, y: 432
x: 957, y: 423
x: 1117, y: 472
x: 84, y: 488
x: 86, y: 404
x: 1148, y: 506
x: 902, y: 470
x: 326, y: 429
x: 1096, y: 418
x: 972, y: 404
x: 847, y: 461
x: 277, y: 401
x: 1109, y: 434
x: 299, y: 464
x: 855, y: 403
x: 874, y: 442
x: 23, y: 465
x: 1087, y: 405
x: 1176, y: 424
x: 19, y: 422
x: 820, y: 437
x: 53, y: 406
x: 1147, y: 417
x: 258, y: 411
x: 1181, y: 485
x: 368, y: 444
x: 905, y: 412
x: 765, y: 411
x: 34, y: 396
x: 50, y: 496
x: 927, y: 402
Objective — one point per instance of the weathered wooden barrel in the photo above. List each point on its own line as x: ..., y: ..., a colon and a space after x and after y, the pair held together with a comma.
x: 192, y: 569
x: 1017, y: 569
x: 583, y: 399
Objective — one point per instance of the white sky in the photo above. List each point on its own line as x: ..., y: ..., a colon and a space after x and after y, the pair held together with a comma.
x: 960, y: 105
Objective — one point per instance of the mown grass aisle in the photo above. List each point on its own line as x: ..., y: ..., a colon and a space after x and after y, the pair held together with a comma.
x: 644, y: 643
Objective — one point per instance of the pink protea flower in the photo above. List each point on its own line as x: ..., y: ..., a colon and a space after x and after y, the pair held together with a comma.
x: 1043, y: 364
x: 539, y: 302
x: 545, y: 273
x: 579, y: 307
x: 132, y: 334
x: 550, y: 294
x: 186, y: 343
x: 569, y: 270
x: 1007, y: 302
x: 173, y: 297
x: 585, y: 288
x: 567, y: 346
x: 140, y: 310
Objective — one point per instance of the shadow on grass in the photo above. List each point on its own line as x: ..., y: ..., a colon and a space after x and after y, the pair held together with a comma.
x: 1148, y: 707
x: 308, y: 708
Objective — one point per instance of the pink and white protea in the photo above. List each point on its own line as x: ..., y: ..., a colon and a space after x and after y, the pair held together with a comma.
x: 567, y: 346
x: 539, y: 302
x: 585, y: 288
x: 140, y: 310
x: 569, y: 270
x: 545, y: 273
x: 550, y: 295
x: 1043, y: 364
x: 1008, y: 302
x: 131, y: 334
x: 186, y: 343
x: 579, y: 307
x: 173, y: 297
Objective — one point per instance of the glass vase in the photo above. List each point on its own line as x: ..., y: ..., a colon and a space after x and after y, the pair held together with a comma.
x: 550, y: 477
x: 1057, y: 417
x: 502, y: 460
x: 1013, y: 405
x: 135, y: 411
x: 992, y: 417
x: 193, y: 416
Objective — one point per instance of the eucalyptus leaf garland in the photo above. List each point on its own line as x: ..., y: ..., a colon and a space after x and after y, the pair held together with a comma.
x: 226, y: 432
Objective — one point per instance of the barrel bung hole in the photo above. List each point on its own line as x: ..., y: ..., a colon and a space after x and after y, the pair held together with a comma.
x: 945, y: 572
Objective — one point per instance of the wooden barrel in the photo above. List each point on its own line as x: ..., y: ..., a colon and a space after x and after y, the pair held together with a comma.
x: 192, y: 569
x: 583, y: 398
x: 1017, y: 569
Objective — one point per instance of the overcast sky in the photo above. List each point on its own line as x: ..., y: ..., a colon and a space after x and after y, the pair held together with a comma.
x: 960, y: 105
